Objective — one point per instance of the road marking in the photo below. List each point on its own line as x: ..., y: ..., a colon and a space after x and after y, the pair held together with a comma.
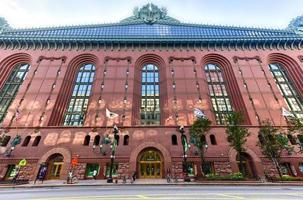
x: 231, y: 196
x: 142, y: 197
x: 295, y: 194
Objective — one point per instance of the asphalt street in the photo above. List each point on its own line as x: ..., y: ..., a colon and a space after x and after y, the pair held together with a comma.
x: 135, y: 192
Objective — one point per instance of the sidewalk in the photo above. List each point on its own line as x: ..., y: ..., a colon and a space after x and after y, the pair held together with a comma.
x: 144, y: 182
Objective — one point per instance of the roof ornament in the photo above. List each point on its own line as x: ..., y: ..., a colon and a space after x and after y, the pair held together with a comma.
x: 150, y: 14
x: 297, y: 24
x: 3, y: 24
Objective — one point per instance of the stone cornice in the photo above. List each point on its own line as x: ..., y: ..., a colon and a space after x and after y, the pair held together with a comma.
x: 165, y: 44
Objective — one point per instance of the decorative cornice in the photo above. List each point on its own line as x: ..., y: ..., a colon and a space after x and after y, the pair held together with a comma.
x: 108, y: 58
x: 161, y: 44
x: 172, y: 58
x: 150, y: 14
x: 62, y: 58
x: 237, y: 58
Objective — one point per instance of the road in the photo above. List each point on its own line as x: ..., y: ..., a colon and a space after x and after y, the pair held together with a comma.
x: 135, y: 192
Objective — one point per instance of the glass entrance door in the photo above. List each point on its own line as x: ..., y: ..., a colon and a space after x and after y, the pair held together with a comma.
x: 150, y: 170
x: 56, y: 170
x: 150, y: 165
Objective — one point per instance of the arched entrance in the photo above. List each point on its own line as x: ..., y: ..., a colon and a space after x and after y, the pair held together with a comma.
x: 150, y: 164
x: 55, y: 164
x: 248, y: 165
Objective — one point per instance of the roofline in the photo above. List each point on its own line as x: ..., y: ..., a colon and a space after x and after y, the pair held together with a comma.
x: 162, y: 23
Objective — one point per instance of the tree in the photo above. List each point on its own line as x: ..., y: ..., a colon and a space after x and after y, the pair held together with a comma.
x: 237, y: 136
x: 296, y: 126
x: 272, y: 143
x: 197, y: 131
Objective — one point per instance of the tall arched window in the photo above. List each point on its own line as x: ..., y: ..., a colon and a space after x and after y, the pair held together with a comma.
x: 287, y: 89
x: 218, y: 94
x: 11, y: 86
x: 79, y: 101
x: 150, y: 101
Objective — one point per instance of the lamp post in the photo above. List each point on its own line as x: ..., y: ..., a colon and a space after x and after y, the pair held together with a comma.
x: 112, y: 156
x: 14, y: 143
x: 185, y: 147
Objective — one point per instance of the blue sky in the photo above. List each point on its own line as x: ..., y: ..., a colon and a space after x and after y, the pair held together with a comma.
x: 255, y: 13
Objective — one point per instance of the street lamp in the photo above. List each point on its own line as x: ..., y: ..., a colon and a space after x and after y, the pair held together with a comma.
x: 14, y: 143
x: 112, y: 156
x: 185, y: 146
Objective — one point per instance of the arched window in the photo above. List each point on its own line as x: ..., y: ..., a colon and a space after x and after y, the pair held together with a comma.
x: 86, y: 140
x: 5, y: 140
x: 287, y: 89
x: 150, y: 101
x: 126, y: 140
x: 213, y: 140
x: 11, y: 86
x: 26, y: 141
x: 97, y: 140
x: 36, y: 141
x: 174, y: 140
x: 79, y: 101
x: 218, y: 94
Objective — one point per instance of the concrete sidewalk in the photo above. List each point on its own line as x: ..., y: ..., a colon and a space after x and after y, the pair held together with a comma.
x: 144, y: 182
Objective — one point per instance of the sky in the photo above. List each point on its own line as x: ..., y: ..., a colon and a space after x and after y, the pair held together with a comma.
x: 251, y: 13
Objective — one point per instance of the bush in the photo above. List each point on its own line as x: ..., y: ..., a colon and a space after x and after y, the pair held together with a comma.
x: 235, y: 176
x: 290, y: 178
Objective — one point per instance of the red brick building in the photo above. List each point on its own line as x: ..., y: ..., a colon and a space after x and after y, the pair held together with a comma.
x: 152, y: 70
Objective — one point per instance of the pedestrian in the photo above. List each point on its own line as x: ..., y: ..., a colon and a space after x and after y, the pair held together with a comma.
x: 95, y: 174
x: 134, y: 176
x: 168, y: 176
x: 69, y: 177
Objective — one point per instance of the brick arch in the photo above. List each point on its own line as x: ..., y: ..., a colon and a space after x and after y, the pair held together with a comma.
x: 258, y: 167
x: 160, y: 63
x: 293, y: 69
x: 67, y: 86
x: 137, y: 151
x: 230, y: 80
x: 66, y: 158
x: 8, y: 64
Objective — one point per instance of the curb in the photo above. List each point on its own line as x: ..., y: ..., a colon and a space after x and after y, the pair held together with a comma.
x: 154, y: 184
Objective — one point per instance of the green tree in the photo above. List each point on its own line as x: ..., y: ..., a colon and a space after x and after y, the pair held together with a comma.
x: 237, y: 136
x: 296, y: 126
x: 199, y: 128
x: 272, y: 143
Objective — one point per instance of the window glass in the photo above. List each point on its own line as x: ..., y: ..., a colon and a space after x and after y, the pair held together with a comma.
x: 293, y: 100
x: 114, y: 170
x: 150, y: 92
x: 90, y: 168
x: 301, y: 167
x: 79, y: 100
x: 218, y: 94
x: 11, y: 86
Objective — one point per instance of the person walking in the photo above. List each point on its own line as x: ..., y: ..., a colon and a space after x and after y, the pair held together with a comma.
x: 134, y: 176
x: 95, y: 174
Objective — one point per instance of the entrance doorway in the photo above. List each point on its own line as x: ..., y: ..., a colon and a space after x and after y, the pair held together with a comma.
x: 150, y: 164
x: 248, y: 165
x: 55, y: 164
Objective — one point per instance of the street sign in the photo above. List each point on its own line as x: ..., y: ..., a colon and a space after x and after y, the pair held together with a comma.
x: 22, y: 163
